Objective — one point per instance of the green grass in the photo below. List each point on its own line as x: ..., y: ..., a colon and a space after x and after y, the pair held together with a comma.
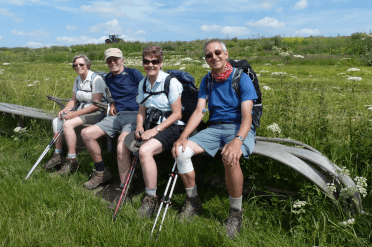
x: 313, y: 103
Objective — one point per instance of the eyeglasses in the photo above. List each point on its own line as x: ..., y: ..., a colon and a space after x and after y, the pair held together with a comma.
x: 79, y: 64
x: 154, y: 62
x: 112, y: 59
x: 210, y: 55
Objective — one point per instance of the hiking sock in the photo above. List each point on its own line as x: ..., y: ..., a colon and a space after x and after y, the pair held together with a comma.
x: 236, y: 202
x: 151, y: 192
x: 58, y: 151
x: 191, y: 192
x: 71, y: 156
x: 100, y: 166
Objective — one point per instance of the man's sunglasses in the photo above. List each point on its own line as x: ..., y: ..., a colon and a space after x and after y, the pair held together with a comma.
x: 79, y: 64
x: 112, y: 59
x: 210, y: 55
x: 154, y: 62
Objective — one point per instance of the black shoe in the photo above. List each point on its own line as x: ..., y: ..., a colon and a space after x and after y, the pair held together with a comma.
x: 149, y: 206
x: 191, y: 207
x: 234, y: 222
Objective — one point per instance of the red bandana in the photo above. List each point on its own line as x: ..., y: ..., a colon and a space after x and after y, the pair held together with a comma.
x: 224, y: 75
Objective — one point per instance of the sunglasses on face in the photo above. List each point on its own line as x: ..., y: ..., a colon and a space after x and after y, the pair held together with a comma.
x: 79, y: 64
x: 112, y: 59
x: 154, y: 62
x: 216, y: 52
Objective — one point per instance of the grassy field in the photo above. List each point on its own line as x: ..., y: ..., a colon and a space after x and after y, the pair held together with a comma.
x: 308, y: 90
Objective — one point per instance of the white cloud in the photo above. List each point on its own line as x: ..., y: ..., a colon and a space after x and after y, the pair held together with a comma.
x: 36, y: 33
x: 227, y: 30
x: 68, y: 27
x: 307, y: 31
x: 301, y: 5
x: 210, y: 28
x: 1, y: 37
x: 104, y: 8
x: 5, y: 12
x: 266, y: 22
x: 266, y: 6
x: 279, y: 10
x: 80, y: 40
x: 108, y: 27
x: 235, y: 31
x: 139, y: 32
x: 33, y: 44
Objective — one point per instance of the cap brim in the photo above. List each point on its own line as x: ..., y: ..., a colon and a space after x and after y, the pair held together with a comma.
x: 132, y: 143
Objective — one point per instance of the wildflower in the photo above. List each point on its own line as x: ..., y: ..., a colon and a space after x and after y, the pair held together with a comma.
x: 205, y: 66
x: 344, y: 171
x: 176, y: 64
x: 17, y: 129
x: 298, y: 56
x: 284, y: 54
x: 266, y: 88
x: 353, y: 69
x: 341, y: 74
x: 348, y: 222
x: 280, y: 64
x: 267, y: 64
x: 331, y: 187
x: 258, y: 75
x: 182, y: 68
x: 370, y: 109
x: 361, y: 184
x: 299, y: 204
x: 186, y: 59
x: 6, y: 63
x: 264, y: 71
x: 294, y: 76
x: 355, y: 78
x: 274, y: 128
x: 278, y: 73
x: 30, y: 85
x: 348, y: 191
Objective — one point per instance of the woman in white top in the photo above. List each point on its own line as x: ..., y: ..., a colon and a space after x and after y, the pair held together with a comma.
x: 78, y: 111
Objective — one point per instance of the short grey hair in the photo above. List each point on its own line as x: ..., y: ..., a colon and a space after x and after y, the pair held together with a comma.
x: 212, y: 41
x: 86, y: 59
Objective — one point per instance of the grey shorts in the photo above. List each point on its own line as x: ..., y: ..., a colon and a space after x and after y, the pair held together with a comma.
x: 124, y: 121
x: 216, y: 136
x: 93, y: 117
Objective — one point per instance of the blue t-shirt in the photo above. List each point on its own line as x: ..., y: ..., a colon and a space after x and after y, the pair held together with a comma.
x: 124, y: 89
x: 223, y: 103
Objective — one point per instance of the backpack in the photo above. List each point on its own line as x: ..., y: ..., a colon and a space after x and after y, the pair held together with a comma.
x: 189, y: 98
x: 240, y: 67
x: 103, y: 75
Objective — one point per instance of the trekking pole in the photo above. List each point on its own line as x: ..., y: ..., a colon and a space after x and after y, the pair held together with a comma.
x: 60, y: 131
x: 126, y: 186
x: 173, y: 174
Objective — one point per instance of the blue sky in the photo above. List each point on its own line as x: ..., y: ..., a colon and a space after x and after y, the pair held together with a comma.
x: 38, y: 23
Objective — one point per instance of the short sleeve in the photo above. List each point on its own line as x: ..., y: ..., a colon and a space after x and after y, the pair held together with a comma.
x: 138, y: 75
x: 247, y: 88
x: 99, y: 85
x: 75, y: 87
x: 140, y: 91
x: 203, y: 91
x: 175, y: 90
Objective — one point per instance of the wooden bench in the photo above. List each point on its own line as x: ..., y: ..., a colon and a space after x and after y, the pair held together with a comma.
x: 302, y: 158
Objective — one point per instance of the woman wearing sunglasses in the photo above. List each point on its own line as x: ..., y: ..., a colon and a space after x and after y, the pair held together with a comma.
x: 158, y: 121
x: 78, y: 111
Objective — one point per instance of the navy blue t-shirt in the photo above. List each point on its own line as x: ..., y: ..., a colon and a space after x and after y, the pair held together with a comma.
x: 124, y: 89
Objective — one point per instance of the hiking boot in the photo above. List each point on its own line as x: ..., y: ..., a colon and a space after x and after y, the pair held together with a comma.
x: 55, y: 162
x: 114, y: 204
x: 191, y: 207
x: 98, y: 178
x: 149, y: 206
x: 234, y: 222
x: 71, y: 166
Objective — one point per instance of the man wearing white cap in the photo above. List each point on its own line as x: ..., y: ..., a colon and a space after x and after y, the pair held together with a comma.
x: 123, y: 84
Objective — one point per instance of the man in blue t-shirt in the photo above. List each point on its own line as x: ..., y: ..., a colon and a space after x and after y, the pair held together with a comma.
x: 123, y: 84
x: 230, y: 118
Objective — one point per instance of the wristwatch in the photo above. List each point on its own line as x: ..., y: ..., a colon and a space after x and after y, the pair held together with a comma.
x: 157, y: 128
x: 240, y: 138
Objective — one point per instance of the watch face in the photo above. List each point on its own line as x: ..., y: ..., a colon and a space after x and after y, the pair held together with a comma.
x: 240, y: 138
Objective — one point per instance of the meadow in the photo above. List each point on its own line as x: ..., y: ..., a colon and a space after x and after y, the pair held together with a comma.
x: 317, y: 90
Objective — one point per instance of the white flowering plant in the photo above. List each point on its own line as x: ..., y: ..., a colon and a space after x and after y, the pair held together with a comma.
x: 19, y: 132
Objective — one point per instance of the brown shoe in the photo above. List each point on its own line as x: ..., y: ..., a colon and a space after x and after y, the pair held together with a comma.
x: 98, y: 178
x: 191, y: 207
x: 149, y: 206
x: 234, y: 222
x: 71, y: 166
x: 56, y: 161
x: 128, y: 198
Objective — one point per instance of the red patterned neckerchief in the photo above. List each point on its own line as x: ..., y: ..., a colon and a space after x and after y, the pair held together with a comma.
x: 224, y: 75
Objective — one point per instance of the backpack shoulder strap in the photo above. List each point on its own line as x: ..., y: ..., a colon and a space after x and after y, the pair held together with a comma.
x: 166, y: 88
x: 236, y: 79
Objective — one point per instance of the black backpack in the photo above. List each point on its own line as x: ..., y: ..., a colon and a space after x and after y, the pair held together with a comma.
x: 243, y: 66
x: 189, y: 98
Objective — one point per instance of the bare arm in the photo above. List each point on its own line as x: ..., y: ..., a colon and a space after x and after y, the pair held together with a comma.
x: 141, y: 116
x: 86, y: 110
x: 192, y: 124
x: 232, y: 152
